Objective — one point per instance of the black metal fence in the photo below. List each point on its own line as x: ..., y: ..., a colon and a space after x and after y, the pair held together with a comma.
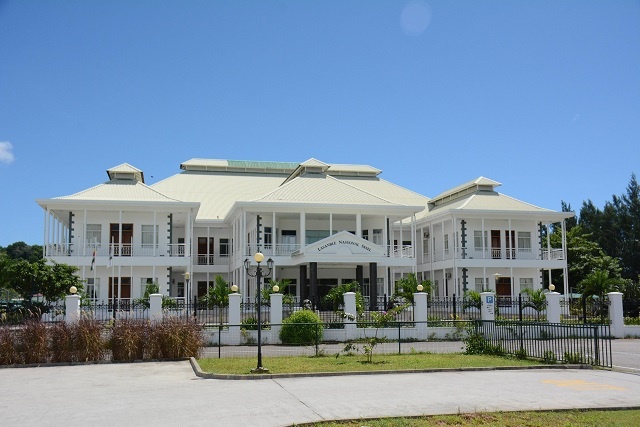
x: 18, y: 313
x: 550, y: 342
x: 585, y: 310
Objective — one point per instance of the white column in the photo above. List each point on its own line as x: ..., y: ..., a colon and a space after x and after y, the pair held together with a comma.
x: 303, y: 230
x: 350, y: 308
x: 330, y: 223
x: 234, y: 318
x: 420, y: 314
x: 484, y: 248
x: 616, y: 314
x: 72, y: 306
x: 276, y: 316
x: 359, y: 224
x: 487, y: 311
x: 155, y: 307
x: 553, y: 307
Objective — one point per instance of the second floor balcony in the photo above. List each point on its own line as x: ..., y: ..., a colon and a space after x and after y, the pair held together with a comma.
x: 493, y: 253
x: 286, y: 249
x: 115, y: 250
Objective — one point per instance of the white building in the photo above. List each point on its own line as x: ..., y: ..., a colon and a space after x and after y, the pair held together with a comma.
x: 322, y: 224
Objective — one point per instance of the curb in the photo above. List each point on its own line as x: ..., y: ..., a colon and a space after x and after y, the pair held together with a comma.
x: 249, y: 377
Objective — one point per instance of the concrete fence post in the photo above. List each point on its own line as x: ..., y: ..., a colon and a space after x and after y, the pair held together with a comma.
x: 616, y: 314
x: 72, y: 309
x: 276, y: 316
x: 553, y: 307
x: 155, y: 307
x: 350, y: 308
x: 420, y: 314
x: 488, y: 306
x: 234, y: 318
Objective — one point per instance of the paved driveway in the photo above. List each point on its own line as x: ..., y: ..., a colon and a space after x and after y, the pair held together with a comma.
x: 626, y: 354
x: 169, y: 394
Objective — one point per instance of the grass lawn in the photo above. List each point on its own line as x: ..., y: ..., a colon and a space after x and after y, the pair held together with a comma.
x: 531, y: 419
x: 380, y: 362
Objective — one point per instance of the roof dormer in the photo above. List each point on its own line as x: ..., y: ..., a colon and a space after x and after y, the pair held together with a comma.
x: 125, y: 172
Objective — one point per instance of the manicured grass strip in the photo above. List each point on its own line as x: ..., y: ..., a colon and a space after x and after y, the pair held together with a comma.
x: 621, y: 418
x: 381, y: 362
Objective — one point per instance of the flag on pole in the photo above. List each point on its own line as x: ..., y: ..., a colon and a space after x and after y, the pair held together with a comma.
x: 93, y: 260
x: 110, y: 256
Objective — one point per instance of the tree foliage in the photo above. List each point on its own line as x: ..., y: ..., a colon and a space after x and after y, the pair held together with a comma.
x: 616, y: 228
x: 407, y: 286
x: 335, y: 296
x: 26, y: 278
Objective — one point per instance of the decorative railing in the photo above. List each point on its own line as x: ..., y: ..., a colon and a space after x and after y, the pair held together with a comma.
x: 488, y: 253
x: 141, y: 250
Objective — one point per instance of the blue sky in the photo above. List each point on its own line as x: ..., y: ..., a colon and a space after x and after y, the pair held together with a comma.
x: 542, y: 96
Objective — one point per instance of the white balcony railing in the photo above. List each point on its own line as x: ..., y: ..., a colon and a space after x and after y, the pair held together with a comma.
x: 489, y: 253
x: 286, y: 249
x: 128, y: 250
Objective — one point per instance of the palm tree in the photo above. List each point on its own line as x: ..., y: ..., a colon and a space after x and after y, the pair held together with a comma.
x: 598, y: 284
x: 537, y: 299
x: 407, y: 286
x: 218, y: 296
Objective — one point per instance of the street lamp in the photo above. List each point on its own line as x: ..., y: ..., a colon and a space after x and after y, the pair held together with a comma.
x: 259, y: 257
x: 187, y: 276
x: 73, y: 290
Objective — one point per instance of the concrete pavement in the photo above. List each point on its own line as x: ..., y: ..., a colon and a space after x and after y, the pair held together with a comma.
x: 169, y: 394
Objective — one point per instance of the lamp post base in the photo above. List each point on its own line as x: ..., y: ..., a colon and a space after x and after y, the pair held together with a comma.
x: 260, y: 370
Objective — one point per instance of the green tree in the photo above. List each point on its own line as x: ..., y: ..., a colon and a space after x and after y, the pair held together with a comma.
x: 599, y: 283
x: 630, y: 297
x: 218, y: 295
x: 287, y: 299
x: 335, y: 296
x: 584, y: 255
x: 20, y: 250
x: 53, y: 281
x: 537, y: 299
x: 407, y: 286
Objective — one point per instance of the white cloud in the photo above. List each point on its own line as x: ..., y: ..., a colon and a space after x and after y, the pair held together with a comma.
x: 6, y: 152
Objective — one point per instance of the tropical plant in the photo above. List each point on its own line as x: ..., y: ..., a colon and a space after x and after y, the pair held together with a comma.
x: 144, y: 301
x: 598, y: 284
x: 536, y: 299
x: 218, y: 296
x: 287, y: 299
x: 407, y: 286
x: 471, y: 299
x: 335, y: 296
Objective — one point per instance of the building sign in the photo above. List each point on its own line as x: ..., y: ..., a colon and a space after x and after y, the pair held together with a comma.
x: 490, y: 304
x: 344, y: 243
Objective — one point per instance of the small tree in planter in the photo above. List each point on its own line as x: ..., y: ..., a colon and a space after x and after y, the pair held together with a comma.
x: 380, y: 320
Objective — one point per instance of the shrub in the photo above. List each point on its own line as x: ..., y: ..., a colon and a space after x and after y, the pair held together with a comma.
x: 573, y: 358
x: 33, y: 342
x: 175, y: 338
x: 88, y: 340
x: 8, y: 347
x: 61, y: 343
x: 549, y: 357
x: 302, y: 327
x: 128, y: 339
